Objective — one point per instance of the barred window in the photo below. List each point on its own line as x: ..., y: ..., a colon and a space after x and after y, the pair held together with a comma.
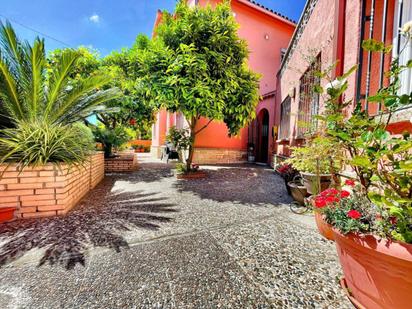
x: 308, y: 99
x: 284, y: 131
x: 403, y: 14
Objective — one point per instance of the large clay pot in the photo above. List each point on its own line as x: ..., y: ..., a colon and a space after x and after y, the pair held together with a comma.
x: 325, y: 229
x: 378, y: 273
x: 309, y: 180
x: 298, y: 192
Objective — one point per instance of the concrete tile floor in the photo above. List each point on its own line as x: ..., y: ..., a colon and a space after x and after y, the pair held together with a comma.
x: 147, y: 240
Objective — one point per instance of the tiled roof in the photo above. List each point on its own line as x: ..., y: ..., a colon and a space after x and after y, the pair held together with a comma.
x: 272, y: 11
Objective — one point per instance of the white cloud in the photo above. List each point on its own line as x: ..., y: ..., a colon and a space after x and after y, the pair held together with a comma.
x: 94, y: 18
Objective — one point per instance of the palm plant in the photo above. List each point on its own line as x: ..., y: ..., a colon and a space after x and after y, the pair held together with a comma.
x: 28, y: 91
x: 42, y: 104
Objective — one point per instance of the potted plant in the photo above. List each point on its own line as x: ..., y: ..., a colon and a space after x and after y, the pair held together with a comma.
x: 317, y: 161
x: 372, y: 222
x: 297, y: 190
x: 7, y: 214
x: 135, y: 147
x: 287, y: 172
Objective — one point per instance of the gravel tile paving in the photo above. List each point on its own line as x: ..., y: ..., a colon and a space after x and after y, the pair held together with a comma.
x: 147, y: 240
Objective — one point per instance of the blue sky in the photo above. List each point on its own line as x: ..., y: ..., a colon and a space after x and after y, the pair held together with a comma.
x: 102, y: 24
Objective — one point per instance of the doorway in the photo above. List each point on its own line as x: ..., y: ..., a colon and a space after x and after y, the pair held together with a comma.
x: 263, y: 136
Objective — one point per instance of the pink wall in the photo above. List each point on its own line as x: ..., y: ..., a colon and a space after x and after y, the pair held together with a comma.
x: 320, y: 28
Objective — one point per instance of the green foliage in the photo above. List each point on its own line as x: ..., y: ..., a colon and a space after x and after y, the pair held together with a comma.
x: 181, y: 168
x: 180, y: 138
x: 196, y: 65
x: 111, y: 138
x: 37, y: 142
x: 320, y: 155
x: 29, y: 92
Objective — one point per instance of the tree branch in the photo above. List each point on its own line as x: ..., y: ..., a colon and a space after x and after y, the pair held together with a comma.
x: 204, y: 127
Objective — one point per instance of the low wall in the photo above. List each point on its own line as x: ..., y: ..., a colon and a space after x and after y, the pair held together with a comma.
x: 48, y: 190
x: 125, y: 162
x: 219, y: 156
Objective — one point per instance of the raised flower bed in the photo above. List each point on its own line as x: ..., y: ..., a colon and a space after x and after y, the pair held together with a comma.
x: 124, y: 162
x: 48, y: 190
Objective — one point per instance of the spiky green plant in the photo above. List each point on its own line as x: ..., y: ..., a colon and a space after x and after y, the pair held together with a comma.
x: 28, y: 91
x: 36, y: 142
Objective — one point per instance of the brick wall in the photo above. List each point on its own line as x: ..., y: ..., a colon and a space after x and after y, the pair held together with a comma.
x: 48, y: 190
x: 219, y: 156
x: 126, y: 162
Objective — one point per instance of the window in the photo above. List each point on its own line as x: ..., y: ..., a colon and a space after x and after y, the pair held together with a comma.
x: 308, y: 99
x: 403, y: 14
x: 284, y: 131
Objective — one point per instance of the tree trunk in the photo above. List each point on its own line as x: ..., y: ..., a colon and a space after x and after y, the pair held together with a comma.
x: 192, y: 144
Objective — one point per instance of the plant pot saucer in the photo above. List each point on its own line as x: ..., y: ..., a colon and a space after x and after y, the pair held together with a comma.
x: 345, y: 288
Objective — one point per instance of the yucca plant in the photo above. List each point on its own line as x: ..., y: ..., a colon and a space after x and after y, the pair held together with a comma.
x: 29, y: 92
x: 37, y: 142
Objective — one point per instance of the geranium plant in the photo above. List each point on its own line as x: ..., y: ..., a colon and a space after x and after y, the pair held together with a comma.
x: 381, y: 161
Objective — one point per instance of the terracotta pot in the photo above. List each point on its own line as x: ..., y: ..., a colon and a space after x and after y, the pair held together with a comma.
x: 298, y: 192
x: 324, y: 228
x: 378, y: 273
x: 6, y: 214
x: 309, y: 180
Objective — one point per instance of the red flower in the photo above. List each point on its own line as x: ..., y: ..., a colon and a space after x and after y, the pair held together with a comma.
x: 320, y: 202
x: 350, y: 182
x: 132, y: 122
x: 332, y: 199
x: 354, y: 214
x: 344, y: 194
x: 330, y: 192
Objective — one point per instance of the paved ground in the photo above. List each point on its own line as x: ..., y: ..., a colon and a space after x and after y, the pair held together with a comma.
x: 147, y: 240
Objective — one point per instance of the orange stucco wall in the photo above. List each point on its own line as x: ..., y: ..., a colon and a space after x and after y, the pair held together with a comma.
x: 266, y: 36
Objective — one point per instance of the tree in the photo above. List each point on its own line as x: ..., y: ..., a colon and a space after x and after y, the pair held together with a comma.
x: 29, y: 92
x: 129, y: 109
x: 196, y: 65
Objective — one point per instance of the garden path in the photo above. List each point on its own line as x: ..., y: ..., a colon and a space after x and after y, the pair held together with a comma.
x: 147, y: 240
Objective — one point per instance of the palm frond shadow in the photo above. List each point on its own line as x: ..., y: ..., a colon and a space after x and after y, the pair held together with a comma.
x: 100, y: 220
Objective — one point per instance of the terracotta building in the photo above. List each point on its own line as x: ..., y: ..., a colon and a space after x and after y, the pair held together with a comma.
x: 332, y: 31
x: 268, y: 35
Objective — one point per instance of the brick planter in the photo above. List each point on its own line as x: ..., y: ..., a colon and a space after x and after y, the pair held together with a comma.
x: 48, y: 190
x: 125, y: 162
x: 192, y: 175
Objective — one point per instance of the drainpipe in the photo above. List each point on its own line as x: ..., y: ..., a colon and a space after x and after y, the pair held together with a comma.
x: 339, y: 34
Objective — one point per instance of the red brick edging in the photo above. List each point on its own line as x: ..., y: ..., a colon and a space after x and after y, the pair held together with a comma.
x: 192, y: 175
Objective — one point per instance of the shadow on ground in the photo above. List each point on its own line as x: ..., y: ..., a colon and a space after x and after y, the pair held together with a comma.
x: 149, y: 172
x: 98, y: 221
x: 243, y: 184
